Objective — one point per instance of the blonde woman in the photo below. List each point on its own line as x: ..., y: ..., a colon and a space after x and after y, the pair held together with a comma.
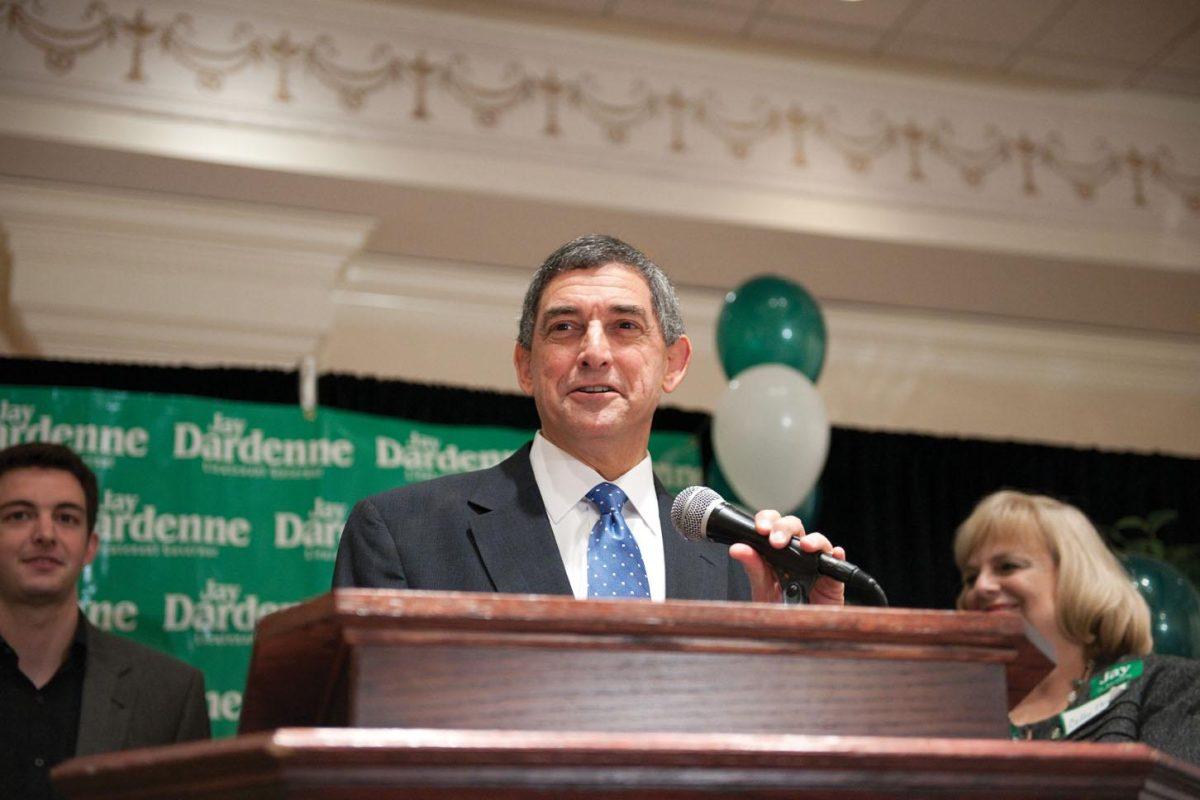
x: 1043, y: 559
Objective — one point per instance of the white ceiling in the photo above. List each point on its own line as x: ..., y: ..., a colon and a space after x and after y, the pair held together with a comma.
x: 1149, y: 45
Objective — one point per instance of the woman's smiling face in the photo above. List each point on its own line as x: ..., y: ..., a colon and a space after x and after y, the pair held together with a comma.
x: 1010, y: 573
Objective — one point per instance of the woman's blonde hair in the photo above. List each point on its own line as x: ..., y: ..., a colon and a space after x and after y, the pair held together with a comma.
x: 1097, y: 604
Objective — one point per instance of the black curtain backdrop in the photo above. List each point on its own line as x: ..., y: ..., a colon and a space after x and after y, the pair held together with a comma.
x: 892, y: 500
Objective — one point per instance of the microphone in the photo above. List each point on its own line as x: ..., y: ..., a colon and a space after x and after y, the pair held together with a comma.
x: 700, y: 513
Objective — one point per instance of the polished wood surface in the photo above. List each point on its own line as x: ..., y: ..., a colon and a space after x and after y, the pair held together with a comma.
x: 374, y: 764
x: 507, y: 697
x: 450, y: 660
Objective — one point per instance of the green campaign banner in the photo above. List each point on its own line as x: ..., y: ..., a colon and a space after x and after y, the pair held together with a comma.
x: 215, y: 513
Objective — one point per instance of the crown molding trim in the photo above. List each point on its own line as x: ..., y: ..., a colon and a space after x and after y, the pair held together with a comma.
x: 137, y: 275
x: 389, y: 92
x: 873, y: 340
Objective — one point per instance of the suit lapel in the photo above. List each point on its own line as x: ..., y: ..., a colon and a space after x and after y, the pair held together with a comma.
x: 512, y: 532
x: 105, y: 708
x: 518, y: 550
x: 695, y: 570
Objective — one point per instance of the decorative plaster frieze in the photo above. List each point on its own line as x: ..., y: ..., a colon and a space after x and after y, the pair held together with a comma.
x: 398, y: 74
x: 148, y: 276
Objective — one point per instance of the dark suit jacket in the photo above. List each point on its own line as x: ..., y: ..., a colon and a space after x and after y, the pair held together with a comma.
x: 134, y: 696
x: 487, y: 531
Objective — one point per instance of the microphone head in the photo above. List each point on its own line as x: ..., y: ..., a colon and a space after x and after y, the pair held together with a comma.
x: 691, y: 509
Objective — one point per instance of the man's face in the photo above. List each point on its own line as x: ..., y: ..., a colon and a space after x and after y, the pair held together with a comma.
x: 44, y: 536
x: 598, y: 364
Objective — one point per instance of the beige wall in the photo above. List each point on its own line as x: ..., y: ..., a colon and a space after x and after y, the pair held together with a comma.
x: 180, y: 220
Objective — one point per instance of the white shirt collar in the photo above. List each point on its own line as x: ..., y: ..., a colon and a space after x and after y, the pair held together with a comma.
x: 565, y: 480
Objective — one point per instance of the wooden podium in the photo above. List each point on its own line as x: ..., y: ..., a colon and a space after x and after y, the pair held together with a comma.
x: 368, y: 658
x: 374, y: 694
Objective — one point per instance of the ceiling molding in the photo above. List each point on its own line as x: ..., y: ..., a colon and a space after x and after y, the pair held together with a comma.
x: 869, y: 340
x: 74, y: 334
x: 130, y: 275
x: 431, y: 98
x: 120, y: 276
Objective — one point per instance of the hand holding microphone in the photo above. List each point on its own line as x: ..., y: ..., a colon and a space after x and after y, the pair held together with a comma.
x: 786, y: 536
x: 699, y: 513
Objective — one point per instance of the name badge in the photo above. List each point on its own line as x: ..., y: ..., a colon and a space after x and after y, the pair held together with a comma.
x: 1074, y: 718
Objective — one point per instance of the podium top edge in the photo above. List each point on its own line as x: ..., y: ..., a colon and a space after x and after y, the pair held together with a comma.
x: 399, y: 748
x: 407, y: 609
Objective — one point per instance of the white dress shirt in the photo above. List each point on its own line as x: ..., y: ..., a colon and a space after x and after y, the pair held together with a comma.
x: 564, y: 481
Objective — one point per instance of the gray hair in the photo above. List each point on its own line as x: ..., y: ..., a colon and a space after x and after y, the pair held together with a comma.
x: 596, y: 250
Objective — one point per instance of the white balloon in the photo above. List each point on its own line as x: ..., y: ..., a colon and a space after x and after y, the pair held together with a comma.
x: 771, y: 436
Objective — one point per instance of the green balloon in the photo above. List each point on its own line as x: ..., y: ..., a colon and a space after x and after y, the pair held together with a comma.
x: 771, y: 320
x: 1174, y: 604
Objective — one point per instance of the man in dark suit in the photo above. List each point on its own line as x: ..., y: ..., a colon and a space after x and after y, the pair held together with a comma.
x: 67, y: 688
x: 577, y: 511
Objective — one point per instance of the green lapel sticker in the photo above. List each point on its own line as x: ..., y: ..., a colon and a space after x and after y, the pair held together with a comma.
x: 1115, y: 676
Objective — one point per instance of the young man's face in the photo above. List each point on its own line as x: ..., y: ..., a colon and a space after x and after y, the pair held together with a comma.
x: 44, y: 538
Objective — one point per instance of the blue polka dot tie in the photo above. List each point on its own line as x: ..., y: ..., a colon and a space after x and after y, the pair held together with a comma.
x: 615, y: 566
